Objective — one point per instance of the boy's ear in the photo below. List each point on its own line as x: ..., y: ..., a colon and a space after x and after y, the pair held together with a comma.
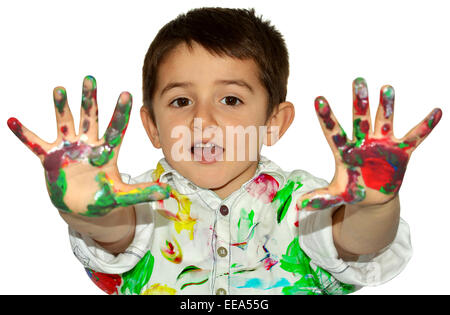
x: 280, y: 119
x: 150, y: 127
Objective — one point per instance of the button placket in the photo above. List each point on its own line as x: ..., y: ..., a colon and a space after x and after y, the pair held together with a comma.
x: 222, y: 250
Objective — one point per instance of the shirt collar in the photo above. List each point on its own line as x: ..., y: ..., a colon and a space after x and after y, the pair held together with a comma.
x: 165, y: 172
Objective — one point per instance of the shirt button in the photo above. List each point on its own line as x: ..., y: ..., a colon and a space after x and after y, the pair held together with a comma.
x: 224, y: 210
x: 221, y: 291
x: 222, y: 251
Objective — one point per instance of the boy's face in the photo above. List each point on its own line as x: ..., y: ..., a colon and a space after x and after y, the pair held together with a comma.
x: 203, y: 97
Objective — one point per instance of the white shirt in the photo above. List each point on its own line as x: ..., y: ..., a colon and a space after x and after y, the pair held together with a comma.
x: 255, y: 241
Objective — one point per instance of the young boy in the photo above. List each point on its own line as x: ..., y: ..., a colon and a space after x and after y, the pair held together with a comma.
x: 217, y: 217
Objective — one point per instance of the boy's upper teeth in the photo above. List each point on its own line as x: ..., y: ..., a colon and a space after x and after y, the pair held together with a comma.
x: 204, y: 145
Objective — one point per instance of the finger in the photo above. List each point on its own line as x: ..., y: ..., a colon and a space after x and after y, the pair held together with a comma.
x: 89, y: 109
x: 113, y: 136
x: 385, y: 113
x: 64, y: 118
x: 117, y: 126
x: 319, y: 199
x: 113, y: 193
x: 361, y: 111
x: 335, y: 135
x: 335, y: 195
x: 144, y: 192
x: 416, y: 135
x: 33, y: 142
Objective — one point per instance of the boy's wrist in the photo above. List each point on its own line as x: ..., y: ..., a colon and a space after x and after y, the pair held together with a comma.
x: 114, y: 231
x: 373, y: 208
x: 361, y: 231
x: 118, y: 246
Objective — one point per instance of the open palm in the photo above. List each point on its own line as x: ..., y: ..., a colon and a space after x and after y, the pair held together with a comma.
x: 81, y: 170
x: 369, y: 169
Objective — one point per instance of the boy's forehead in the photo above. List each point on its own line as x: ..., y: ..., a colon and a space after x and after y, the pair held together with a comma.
x: 197, y: 64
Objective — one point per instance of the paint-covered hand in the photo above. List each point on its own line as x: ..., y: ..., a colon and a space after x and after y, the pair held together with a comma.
x: 369, y: 169
x: 81, y: 170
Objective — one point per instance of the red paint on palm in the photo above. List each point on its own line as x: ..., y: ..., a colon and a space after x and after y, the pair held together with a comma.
x: 377, y: 172
x: 382, y: 163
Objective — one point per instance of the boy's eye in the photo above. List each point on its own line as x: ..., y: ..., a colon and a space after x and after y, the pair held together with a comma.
x: 231, y: 100
x: 181, y: 101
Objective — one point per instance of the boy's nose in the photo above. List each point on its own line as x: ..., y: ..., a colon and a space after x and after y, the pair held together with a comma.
x: 203, y: 117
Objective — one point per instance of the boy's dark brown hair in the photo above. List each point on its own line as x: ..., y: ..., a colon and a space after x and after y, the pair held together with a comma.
x: 236, y: 33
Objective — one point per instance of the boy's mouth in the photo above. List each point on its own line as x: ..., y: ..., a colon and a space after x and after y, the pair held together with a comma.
x: 206, y: 152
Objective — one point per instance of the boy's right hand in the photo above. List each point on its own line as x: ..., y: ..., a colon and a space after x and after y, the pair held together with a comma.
x: 81, y: 170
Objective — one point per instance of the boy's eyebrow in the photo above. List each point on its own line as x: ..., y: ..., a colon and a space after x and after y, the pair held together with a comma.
x: 172, y: 85
x: 236, y: 82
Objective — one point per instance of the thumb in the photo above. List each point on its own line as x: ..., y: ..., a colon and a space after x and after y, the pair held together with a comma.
x: 319, y: 199
x: 143, y: 192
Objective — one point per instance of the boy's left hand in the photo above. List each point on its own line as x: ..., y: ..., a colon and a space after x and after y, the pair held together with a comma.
x: 369, y: 169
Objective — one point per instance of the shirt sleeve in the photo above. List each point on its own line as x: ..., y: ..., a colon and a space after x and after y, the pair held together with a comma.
x: 316, y: 240
x: 93, y: 256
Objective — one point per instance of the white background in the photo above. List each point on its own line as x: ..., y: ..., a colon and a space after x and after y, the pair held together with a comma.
x: 49, y: 43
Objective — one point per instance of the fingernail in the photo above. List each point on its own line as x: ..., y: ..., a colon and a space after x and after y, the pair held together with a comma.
x: 89, y: 93
x: 60, y: 99
x: 388, y: 96
x: 435, y: 117
x: 360, y: 102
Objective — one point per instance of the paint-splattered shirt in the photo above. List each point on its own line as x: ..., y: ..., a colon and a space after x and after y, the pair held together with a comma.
x: 255, y: 241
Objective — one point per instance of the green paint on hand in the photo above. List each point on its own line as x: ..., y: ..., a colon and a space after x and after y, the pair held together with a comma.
x: 103, y: 153
x: 106, y: 199
x: 57, y: 191
x: 359, y: 134
x: 388, y: 189
x: 360, y: 192
x: 89, y: 94
x: 61, y: 101
x: 100, y: 159
x: 305, y: 203
x: 358, y: 159
x: 316, y: 203
x: 118, y: 124
x: 388, y: 93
